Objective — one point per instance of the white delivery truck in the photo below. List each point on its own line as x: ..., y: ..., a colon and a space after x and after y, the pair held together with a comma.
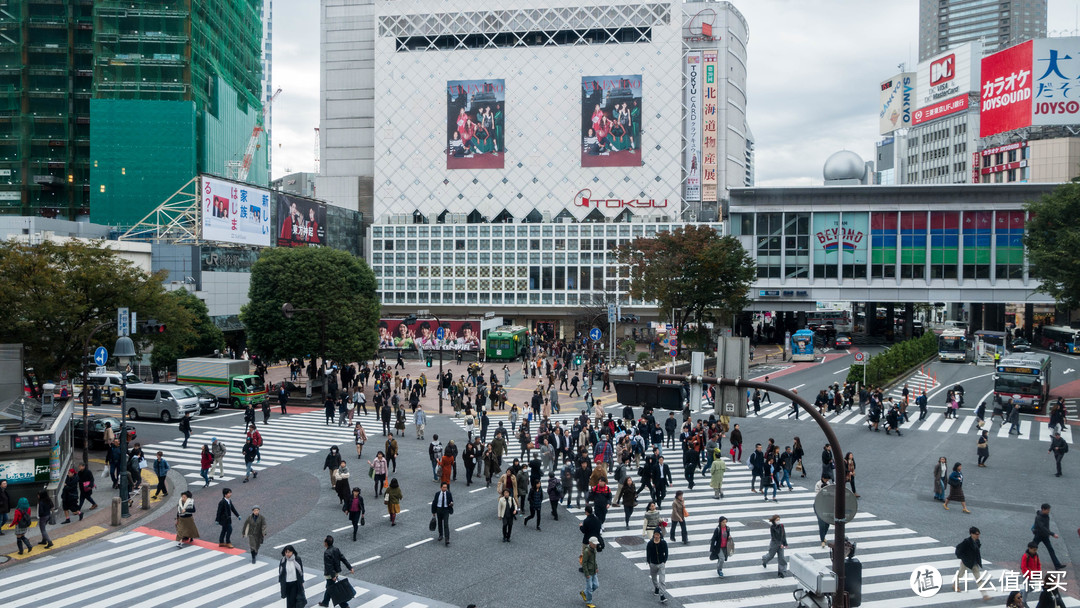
x: 230, y: 380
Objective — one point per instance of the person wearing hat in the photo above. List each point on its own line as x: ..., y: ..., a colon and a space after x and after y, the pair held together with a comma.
x: 589, y: 568
x: 1058, y: 447
x: 217, y: 448
x: 716, y: 475
x: 254, y: 529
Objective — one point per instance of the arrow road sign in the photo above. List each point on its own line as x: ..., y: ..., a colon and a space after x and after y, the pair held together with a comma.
x: 596, y: 334
x: 440, y: 332
x: 101, y: 356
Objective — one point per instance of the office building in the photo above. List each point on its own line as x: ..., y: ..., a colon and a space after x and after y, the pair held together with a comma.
x: 995, y: 24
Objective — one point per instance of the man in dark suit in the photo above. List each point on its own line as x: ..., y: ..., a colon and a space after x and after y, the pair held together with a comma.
x: 442, y: 506
x: 223, y: 508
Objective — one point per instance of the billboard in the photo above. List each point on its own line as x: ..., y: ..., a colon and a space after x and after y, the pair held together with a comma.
x: 475, y: 124
x: 692, y: 127
x: 234, y: 212
x: 457, y: 334
x: 1056, y: 81
x: 1005, y: 94
x: 897, y: 98
x: 611, y: 121
x: 940, y: 109
x: 300, y: 221
x: 947, y: 75
x: 709, y: 117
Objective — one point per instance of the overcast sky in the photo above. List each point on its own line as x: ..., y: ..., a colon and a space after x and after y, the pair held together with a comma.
x: 814, y: 69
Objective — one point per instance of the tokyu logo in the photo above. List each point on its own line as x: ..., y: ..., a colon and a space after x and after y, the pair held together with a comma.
x: 943, y: 70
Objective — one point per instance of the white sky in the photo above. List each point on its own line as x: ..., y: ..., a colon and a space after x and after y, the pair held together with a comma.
x: 814, y: 69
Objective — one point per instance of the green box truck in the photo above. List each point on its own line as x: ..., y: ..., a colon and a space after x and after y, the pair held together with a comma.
x: 230, y: 380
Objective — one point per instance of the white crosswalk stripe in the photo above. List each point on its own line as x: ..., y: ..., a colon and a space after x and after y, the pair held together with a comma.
x: 888, y: 552
x: 180, y: 577
x: 285, y: 439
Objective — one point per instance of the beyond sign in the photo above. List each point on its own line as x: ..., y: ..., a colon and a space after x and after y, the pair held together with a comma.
x: 832, y: 239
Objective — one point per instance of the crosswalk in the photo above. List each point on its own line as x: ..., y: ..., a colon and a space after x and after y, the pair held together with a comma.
x: 147, y: 570
x: 889, y: 552
x: 285, y: 439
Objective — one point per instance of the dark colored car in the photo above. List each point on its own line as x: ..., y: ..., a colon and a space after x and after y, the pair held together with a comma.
x: 207, y: 401
x: 97, y: 430
x: 1021, y: 345
x: 843, y: 341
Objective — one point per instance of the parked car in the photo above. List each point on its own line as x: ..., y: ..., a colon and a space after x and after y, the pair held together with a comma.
x: 843, y: 341
x: 1020, y: 345
x: 97, y: 430
x: 207, y: 401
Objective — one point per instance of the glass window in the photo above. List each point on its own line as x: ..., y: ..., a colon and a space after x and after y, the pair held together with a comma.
x: 976, y: 242
x: 883, y: 239
x: 534, y: 277
x: 546, y: 276
x: 944, y: 244
x: 560, y: 277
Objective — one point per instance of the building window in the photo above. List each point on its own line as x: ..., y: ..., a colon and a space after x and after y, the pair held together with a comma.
x: 976, y: 238
x: 912, y: 244
x: 768, y: 235
x: 1009, y: 239
x: 797, y: 245
x: 883, y: 234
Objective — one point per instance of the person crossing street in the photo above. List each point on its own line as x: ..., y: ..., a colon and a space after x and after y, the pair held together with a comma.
x: 223, y: 518
x: 656, y: 556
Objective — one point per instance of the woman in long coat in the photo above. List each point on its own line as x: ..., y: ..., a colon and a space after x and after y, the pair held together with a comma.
x: 186, y: 530
x: 291, y: 578
x: 941, y: 474
x: 716, y: 475
x: 446, y: 467
x: 956, y: 488
x: 69, y: 497
x: 341, y: 486
x: 254, y: 529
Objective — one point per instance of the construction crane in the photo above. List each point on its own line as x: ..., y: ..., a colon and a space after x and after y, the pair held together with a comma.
x: 253, y: 144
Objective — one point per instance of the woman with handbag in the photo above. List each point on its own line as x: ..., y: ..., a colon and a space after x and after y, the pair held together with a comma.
x: 291, y: 578
x: 392, y: 499
x: 983, y: 448
x: 956, y: 488
x: 186, y: 531
x: 378, y: 471
x: 354, y: 509
x: 45, y: 508
x: 941, y: 474
x: 721, y: 547
x: 69, y: 497
x: 341, y: 485
x: 507, y: 513
x: 652, y: 520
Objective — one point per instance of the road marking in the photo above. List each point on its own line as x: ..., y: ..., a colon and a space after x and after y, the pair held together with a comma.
x: 399, y: 513
x: 370, y: 559
x: 419, y: 542
x: 63, y: 541
x: 477, y: 490
x: 1069, y: 371
x: 965, y: 425
x: 295, y: 542
x: 797, y: 387
x: 338, y: 529
x: 842, y: 370
x: 474, y: 524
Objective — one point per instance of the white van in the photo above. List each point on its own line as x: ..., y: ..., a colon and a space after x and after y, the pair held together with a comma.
x: 112, y: 389
x: 165, y: 401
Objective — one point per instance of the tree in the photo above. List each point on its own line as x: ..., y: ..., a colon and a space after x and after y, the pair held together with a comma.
x: 334, y: 283
x: 55, y: 295
x: 1052, y: 240
x: 693, y: 272
x: 202, y: 341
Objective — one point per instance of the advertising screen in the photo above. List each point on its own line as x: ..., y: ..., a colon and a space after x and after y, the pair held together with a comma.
x: 692, y: 126
x: 474, y: 124
x: 1056, y: 72
x: 234, y: 212
x: 897, y: 98
x: 300, y: 221
x: 457, y: 334
x: 948, y: 75
x: 1005, y: 95
x: 611, y: 121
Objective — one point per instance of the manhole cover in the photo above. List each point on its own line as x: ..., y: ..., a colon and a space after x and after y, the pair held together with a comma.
x: 630, y: 540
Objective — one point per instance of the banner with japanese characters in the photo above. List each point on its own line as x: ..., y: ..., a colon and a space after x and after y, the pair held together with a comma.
x: 301, y: 222
x: 709, y: 118
x: 234, y: 213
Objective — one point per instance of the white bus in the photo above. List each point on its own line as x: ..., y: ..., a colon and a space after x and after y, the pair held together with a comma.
x: 840, y: 319
x: 953, y: 345
x: 1025, y: 379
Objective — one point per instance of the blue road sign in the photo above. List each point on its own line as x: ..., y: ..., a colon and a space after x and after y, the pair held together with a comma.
x: 439, y: 333
x: 596, y: 334
x: 673, y: 353
x: 101, y: 356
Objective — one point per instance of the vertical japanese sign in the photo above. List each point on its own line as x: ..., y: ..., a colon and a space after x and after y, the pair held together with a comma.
x: 1056, y: 85
x: 123, y: 324
x: 234, y: 213
x: 709, y: 133
x: 1005, y: 97
x: 692, y: 127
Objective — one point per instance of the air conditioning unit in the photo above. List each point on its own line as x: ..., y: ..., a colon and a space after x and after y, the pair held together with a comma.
x: 457, y: 218
x: 547, y: 217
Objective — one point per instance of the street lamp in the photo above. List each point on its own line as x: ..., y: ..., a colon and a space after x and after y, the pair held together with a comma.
x: 288, y: 310
x: 124, y: 351
x: 438, y: 324
x: 85, y: 396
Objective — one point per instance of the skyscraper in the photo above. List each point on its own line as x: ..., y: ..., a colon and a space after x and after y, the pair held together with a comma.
x: 945, y: 24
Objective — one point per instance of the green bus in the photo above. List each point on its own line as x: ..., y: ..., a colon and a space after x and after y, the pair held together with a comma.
x: 505, y: 342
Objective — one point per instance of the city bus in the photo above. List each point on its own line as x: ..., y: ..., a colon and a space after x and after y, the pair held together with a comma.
x: 840, y: 319
x: 1059, y: 338
x: 952, y: 345
x: 1024, y: 378
x: 504, y: 343
x: 802, y: 345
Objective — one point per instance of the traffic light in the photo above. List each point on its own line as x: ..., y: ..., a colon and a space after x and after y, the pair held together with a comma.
x: 88, y: 362
x: 409, y: 320
x: 153, y: 327
x: 428, y: 360
x: 628, y: 319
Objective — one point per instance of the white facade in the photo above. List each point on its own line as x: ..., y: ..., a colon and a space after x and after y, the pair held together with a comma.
x: 939, y: 152
x: 268, y: 72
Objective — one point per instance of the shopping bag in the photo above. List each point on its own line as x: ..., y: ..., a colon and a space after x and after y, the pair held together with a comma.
x: 342, y: 591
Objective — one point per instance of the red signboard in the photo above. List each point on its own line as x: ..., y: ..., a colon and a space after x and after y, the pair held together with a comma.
x: 943, y: 70
x: 1005, y: 92
x: 940, y: 109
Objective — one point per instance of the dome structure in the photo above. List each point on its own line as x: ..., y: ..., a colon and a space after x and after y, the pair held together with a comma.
x: 844, y: 166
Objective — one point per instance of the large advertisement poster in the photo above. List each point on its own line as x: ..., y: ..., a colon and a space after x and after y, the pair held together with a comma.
x: 949, y: 74
x: 611, y: 113
x: 474, y: 124
x: 234, y: 213
x: 26, y: 470
x: 456, y: 335
x: 300, y: 221
x: 1056, y: 84
x: 1005, y: 97
x: 692, y: 127
x: 897, y: 97
x: 708, y: 125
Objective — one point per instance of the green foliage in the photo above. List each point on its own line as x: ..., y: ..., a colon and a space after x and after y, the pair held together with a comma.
x: 1053, y: 244
x: 642, y: 358
x: 334, y: 282
x: 895, y: 361
x: 56, y: 294
x: 202, y: 341
x: 627, y: 348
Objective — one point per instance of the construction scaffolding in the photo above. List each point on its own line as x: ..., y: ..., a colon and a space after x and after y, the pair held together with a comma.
x: 174, y: 221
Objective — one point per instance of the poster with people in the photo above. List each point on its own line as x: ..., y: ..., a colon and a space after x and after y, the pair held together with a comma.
x: 611, y: 121
x: 300, y: 221
x: 457, y: 335
x: 234, y: 213
x: 474, y: 124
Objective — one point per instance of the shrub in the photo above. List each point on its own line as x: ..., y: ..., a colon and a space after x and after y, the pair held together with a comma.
x: 895, y: 361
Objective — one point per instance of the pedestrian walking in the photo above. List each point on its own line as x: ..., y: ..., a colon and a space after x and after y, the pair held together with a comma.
x: 354, y: 510
x: 206, y: 460
x: 392, y: 499
x: 5, y: 504
x: 656, y: 555
x: 1058, y: 447
x: 266, y: 411
x: 442, y: 507
x: 535, y: 499
x: 46, y: 517
x: 507, y: 512
x: 721, y: 546
x: 420, y: 422
x: 982, y: 449
x: 390, y: 450
x: 1031, y: 568
x: 254, y: 530
x: 86, y: 487
x: 716, y: 475
x: 224, y: 519
x: 69, y: 497
x: 185, y: 428
x: 341, y: 485
x: 678, y: 516
x: 777, y: 544
x: 331, y: 463
x: 250, y: 453
x: 161, y: 469
x: 332, y: 562
x: 186, y: 530
x: 590, y: 569
x: 21, y: 522
x: 378, y: 471
x: 941, y: 477
x: 360, y: 436
x: 1041, y: 529
x: 291, y: 578
x: 956, y: 488
x: 218, y: 450
x: 823, y: 526
x: 283, y: 398
x: 1014, y: 418
x: 849, y: 464
x: 651, y: 520
x: 1050, y: 596
x: 969, y: 551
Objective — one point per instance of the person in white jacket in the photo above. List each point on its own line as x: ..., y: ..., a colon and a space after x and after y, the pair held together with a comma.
x: 419, y: 420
